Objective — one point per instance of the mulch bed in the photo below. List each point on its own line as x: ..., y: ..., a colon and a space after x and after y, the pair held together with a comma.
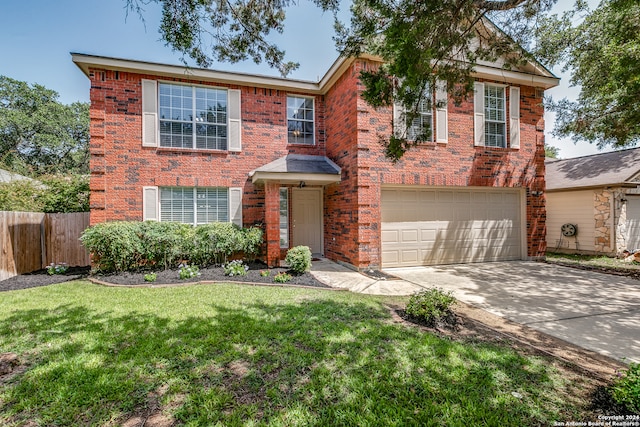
x: 211, y: 273
x: 164, y: 277
x: 42, y: 278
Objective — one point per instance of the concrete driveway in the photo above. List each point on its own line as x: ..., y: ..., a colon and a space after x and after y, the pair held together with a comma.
x: 596, y: 311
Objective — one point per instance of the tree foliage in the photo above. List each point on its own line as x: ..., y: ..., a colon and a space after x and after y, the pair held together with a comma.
x: 601, y: 49
x: 551, y: 152
x: 38, y: 134
x: 49, y: 194
x: 421, y: 43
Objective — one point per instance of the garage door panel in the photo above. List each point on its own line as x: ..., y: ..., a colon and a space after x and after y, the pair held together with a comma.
x: 450, y: 226
x: 390, y: 236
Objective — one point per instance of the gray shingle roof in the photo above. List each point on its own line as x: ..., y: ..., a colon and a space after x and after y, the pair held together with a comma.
x: 6, y: 176
x: 300, y: 163
x: 604, y: 169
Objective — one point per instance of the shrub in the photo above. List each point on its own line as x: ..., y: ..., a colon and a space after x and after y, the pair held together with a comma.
x: 265, y: 273
x: 625, y: 389
x: 150, y: 277
x: 52, y: 194
x: 188, y: 271
x: 59, y: 268
x: 282, y: 277
x: 114, y: 246
x: 164, y: 244
x: 235, y: 268
x: 299, y: 259
x: 130, y: 245
x: 431, y: 305
x: 217, y: 241
x: 252, y: 243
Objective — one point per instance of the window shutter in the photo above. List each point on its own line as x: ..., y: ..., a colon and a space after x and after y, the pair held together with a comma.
x: 149, y: 113
x: 442, y: 113
x: 235, y: 134
x: 235, y: 205
x: 514, y: 114
x: 150, y: 203
x: 478, y: 117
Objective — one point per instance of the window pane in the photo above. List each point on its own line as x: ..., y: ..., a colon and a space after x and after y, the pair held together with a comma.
x: 178, y: 117
x: 422, y: 126
x: 300, y: 118
x: 284, y: 218
x: 176, y: 204
x: 495, y: 114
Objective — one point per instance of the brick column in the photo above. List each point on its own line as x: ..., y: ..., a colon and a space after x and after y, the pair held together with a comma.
x: 272, y: 222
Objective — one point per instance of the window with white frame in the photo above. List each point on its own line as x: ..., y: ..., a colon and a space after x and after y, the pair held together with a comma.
x: 193, y: 117
x: 194, y: 205
x: 300, y: 126
x: 284, y: 218
x: 495, y: 131
x: 422, y: 125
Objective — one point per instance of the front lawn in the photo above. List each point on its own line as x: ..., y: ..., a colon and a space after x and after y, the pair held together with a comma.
x: 241, y: 355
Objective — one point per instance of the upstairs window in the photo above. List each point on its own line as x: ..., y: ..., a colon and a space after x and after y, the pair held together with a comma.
x: 422, y: 126
x: 495, y: 130
x: 300, y: 127
x: 193, y: 117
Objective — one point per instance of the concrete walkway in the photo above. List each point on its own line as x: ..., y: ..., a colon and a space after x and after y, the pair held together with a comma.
x: 596, y: 311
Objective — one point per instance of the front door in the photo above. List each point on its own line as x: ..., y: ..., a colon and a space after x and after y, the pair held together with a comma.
x: 307, y: 218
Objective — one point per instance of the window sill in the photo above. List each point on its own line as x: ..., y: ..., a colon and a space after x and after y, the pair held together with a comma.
x: 301, y: 144
x: 191, y: 150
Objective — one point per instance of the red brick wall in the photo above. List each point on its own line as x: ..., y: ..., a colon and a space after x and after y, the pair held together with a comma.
x: 120, y: 166
x: 347, y: 131
x: 341, y: 216
x: 457, y: 163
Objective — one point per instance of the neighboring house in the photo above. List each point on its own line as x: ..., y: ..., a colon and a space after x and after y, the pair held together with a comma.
x: 304, y: 161
x: 599, y: 195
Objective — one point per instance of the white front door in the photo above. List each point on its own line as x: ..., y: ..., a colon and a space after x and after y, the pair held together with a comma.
x: 306, y: 218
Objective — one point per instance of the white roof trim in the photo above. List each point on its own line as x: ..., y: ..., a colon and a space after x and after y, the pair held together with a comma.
x: 545, y: 79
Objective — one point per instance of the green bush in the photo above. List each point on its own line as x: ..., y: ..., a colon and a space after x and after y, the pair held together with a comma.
x: 217, y: 241
x: 59, y: 268
x: 165, y: 244
x: 431, y: 305
x: 114, y: 246
x: 625, y: 389
x: 131, y: 245
x: 299, y: 259
x: 52, y: 194
x: 188, y: 271
x: 282, y: 277
x: 235, y: 268
x: 150, y: 277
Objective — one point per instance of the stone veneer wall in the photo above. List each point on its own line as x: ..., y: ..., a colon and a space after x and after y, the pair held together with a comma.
x: 606, y: 211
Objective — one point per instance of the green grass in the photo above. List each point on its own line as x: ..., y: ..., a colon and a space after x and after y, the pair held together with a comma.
x: 592, y: 261
x: 238, y: 355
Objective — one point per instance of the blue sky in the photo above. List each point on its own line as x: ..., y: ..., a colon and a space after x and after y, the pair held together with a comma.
x: 38, y: 35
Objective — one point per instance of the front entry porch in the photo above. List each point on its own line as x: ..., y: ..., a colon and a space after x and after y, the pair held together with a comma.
x: 293, y: 192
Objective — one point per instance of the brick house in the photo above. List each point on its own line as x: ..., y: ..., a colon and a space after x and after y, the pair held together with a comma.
x: 303, y: 160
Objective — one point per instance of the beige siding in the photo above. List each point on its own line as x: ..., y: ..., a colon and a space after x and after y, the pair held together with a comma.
x: 573, y: 207
x: 448, y: 226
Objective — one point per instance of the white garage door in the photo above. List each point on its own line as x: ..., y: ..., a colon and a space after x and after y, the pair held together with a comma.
x: 443, y: 226
x: 633, y: 222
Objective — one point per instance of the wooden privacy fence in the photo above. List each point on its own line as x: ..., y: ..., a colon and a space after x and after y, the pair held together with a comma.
x: 30, y: 241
